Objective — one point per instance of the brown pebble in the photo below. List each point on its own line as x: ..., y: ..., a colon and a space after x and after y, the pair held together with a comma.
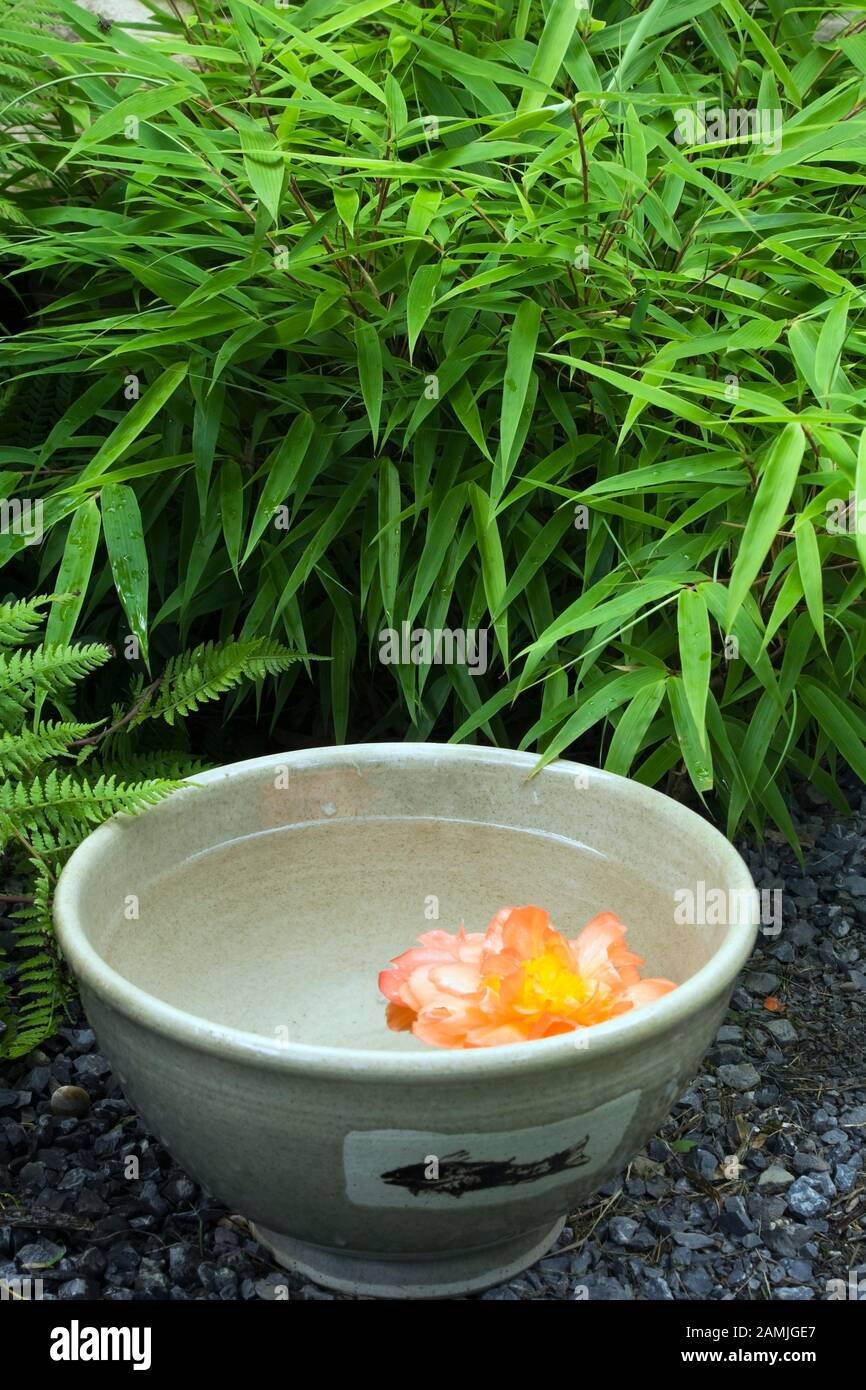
x: 70, y: 1101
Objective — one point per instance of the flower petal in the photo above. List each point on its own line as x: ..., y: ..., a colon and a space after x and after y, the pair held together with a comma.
x: 600, y: 950
x: 457, y: 977
x: 399, y: 1018
x: 645, y: 991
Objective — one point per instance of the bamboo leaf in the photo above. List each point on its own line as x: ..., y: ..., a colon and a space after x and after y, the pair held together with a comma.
x: 138, y: 107
x: 139, y: 417
x: 346, y: 201
x: 282, y: 473
x: 231, y: 501
x: 695, y: 643
x: 127, y: 554
x: 809, y: 564
x: 74, y: 575
x: 627, y: 741
x: 264, y: 166
x: 370, y: 373
x: 844, y: 733
x: 492, y: 562
x: 831, y: 341
x: 420, y: 300
x: 440, y: 534
x: 695, y: 755
x: 558, y: 31
x: 518, y: 367
x: 596, y: 706
x: 770, y: 505
x: 390, y: 503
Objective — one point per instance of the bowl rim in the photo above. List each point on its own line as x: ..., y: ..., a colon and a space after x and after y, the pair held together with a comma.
x: 629, y: 1030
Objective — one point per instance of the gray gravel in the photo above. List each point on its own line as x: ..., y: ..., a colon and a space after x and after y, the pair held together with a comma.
x: 754, y: 1189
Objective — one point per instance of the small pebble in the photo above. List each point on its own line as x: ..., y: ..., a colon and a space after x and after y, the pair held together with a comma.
x: 762, y: 982
x: 70, y: 1100
x: 775, y: 1179
x: 39, y: 1255
x: 809, y: 1163
x: 782, y: 1030
x: 741, y: 1076
x: 806, y: 1198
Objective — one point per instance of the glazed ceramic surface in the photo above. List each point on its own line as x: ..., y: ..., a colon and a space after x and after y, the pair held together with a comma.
x: 227, y: 944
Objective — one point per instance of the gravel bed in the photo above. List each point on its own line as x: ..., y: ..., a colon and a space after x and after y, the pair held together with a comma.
x: 755, y: 1188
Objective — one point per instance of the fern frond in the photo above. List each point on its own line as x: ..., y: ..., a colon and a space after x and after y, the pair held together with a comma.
x: 53, y: 803
x: 51, y: 670
x: 13, y: 710
x: 211, y: 669
x: 163, y: 764
x: 19, y: 620
x: 28, y: 749
x: 53, y: 845
x: 31, y: 1003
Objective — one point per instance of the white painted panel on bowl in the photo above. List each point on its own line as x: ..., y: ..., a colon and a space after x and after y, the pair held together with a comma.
x: 480, y: 1169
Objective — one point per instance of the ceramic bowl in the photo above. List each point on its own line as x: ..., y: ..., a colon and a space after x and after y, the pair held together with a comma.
x: 227, y: 944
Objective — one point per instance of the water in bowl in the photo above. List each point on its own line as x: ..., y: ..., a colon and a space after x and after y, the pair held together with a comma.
x: 284, y: 933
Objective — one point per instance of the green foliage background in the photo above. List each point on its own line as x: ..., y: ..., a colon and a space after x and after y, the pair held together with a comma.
x: 434, y: 277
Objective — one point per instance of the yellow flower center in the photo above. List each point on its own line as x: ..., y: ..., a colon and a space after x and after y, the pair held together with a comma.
x: 548, y: 986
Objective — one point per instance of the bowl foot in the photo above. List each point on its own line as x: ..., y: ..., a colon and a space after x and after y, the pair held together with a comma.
x: 440, y: 1275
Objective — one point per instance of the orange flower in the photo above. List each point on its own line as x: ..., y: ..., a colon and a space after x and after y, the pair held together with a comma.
x: 518, y: 980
